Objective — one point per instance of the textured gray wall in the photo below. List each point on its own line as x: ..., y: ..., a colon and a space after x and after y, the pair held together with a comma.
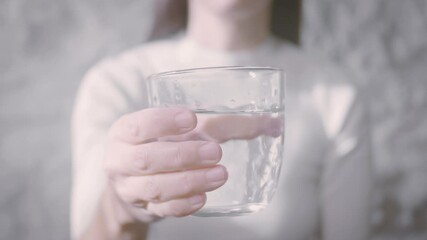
x: 384, y: 42
x: 46, y: 45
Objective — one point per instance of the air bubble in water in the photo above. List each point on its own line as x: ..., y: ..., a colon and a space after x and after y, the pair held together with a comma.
x: 275, y: 107
x: 252, y: 74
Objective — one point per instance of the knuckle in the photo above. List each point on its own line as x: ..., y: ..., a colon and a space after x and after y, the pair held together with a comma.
x: 187, y: 183
x: 151, y: 190
x: 139, y: 203
x: 141, y: 159
x: 178, y: 159
x: 128, y: 126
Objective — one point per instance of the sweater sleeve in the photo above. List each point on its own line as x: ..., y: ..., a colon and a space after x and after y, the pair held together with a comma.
x: 109, y: 90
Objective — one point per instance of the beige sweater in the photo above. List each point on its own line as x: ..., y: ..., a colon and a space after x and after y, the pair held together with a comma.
x: 325, y: 184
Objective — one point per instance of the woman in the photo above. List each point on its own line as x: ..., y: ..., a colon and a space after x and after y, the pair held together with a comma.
x: 120, y: 187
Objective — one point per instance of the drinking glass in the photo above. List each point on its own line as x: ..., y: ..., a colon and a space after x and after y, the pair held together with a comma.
x: 242, y: 108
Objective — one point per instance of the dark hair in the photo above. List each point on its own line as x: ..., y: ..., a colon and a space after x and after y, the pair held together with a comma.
x: 286, y: 18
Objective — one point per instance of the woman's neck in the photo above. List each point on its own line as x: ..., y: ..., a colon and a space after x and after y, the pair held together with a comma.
x: 232, y: 33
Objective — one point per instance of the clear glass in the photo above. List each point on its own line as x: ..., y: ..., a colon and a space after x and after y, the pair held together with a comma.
x: 247, y: 97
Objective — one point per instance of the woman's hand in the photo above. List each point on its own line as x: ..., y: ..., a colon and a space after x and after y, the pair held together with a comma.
x: 161, y: 178
x: 162, y: 161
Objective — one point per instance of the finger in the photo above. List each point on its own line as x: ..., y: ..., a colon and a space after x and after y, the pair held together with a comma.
x: 178, y: 207
x: 227, y: 127
x: 168, y: 186
x: 151, y: 123
x: 161, y: 157
x: 224, y: 128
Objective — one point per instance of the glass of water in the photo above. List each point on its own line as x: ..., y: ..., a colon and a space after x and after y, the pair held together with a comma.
x: 242, y: 108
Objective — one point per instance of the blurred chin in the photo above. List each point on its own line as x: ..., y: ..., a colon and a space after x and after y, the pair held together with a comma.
x: 235, y: 8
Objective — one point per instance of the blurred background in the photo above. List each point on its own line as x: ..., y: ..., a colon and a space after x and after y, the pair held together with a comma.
x: 47, y: 45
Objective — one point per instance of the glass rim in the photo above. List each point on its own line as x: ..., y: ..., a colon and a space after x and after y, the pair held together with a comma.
x: 217, y: 68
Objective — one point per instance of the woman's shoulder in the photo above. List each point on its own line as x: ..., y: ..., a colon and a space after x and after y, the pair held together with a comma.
x: 138, y: 61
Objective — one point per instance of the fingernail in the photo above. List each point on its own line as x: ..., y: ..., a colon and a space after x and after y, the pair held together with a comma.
x: 196, y: 200
x: 184, y: 120
x: 217, y: 174
x: 210, y: 152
